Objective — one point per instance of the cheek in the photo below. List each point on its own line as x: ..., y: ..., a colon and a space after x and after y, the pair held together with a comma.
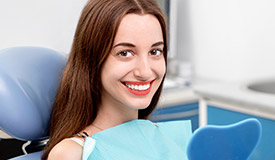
x: 160, y: 68
x: 113, y: 72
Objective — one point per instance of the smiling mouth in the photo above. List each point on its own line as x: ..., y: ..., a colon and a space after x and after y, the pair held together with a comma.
x: 139, y: 88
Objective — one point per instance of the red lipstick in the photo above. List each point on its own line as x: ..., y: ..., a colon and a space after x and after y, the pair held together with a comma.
x: 138, y: 92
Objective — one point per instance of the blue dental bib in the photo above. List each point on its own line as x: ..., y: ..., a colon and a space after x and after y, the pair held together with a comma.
x: 140, y: 140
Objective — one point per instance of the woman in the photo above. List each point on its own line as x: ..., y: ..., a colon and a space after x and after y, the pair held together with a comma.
x: 113, y: 77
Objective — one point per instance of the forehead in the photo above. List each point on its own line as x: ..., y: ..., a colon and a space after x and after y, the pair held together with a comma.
x: 135, y: 28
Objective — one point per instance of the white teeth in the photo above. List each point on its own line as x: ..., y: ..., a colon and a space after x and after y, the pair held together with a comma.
x: 138, y: 87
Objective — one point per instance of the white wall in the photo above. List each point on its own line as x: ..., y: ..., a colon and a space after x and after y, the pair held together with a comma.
x: 45, y: 23
x: 231, y: 40
x: 225, y: 39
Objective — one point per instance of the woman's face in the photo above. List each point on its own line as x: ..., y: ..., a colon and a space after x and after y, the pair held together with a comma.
x: 135, y: 67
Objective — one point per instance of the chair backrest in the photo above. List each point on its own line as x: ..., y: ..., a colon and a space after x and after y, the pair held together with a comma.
x: 235, y: 142
x: 29, y: 78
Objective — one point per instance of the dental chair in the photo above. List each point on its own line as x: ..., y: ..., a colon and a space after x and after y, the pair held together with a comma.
x: 29, y: 78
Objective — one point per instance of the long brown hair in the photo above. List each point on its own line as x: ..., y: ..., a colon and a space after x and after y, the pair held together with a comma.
x: 78, y: 96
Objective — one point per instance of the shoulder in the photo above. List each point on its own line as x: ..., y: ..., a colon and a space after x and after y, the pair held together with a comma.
x: 66, y: 149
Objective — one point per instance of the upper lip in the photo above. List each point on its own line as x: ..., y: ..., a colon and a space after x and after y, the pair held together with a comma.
x: 137, y: 82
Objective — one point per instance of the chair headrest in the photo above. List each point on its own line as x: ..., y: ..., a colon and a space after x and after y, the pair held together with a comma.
x: 29, y: 78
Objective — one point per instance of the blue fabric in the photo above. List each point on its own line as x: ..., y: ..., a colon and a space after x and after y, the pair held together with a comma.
x: 140, y: 139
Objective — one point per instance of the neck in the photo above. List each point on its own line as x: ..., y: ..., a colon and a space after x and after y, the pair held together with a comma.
x: 110, y: 115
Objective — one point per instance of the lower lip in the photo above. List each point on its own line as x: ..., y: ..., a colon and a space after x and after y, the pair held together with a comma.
x: 140, y: 93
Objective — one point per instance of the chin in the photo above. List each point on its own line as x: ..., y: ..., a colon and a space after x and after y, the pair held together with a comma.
x: 141, y: 105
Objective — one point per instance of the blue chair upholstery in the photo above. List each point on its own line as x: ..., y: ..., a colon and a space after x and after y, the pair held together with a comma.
x: 229, y: 142
x: 31, y: 156
x: 29, y: 78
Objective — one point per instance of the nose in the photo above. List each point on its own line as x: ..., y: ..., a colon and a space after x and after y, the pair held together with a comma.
x: 143, y: 68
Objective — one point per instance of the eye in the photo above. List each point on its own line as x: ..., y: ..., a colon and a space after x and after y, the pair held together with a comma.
x: 125, y: 54
x: 156, y: 52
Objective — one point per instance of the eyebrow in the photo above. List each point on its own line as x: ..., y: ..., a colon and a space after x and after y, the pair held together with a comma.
x: 132, y: 45
x: 124, y: 44
x: 158, y: 44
